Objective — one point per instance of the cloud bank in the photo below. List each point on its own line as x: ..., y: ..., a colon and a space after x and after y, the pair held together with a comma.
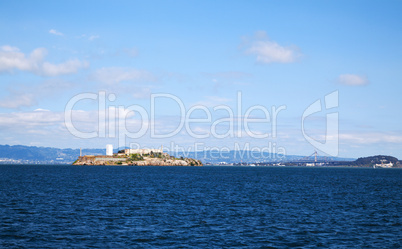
x: 268, y: 51
x: 115, y: 75
x: 55, y: 32
x: 352, y: 80
x: 11, y: 58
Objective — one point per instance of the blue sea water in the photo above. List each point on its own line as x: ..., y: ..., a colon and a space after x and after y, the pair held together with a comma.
x: 200, y: 207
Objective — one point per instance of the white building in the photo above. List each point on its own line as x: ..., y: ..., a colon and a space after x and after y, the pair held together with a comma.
x: 142, y: 151
x: 384, y: 165
x: 109, y: 150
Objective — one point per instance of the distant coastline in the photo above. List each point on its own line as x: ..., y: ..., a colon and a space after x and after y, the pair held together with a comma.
x: 21, y: 154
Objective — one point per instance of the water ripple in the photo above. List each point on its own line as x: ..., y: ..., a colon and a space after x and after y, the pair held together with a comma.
x: 213, y: 207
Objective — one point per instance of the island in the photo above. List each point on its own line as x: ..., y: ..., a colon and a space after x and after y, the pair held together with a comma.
x: 380, y: 161
x: 137, y: 157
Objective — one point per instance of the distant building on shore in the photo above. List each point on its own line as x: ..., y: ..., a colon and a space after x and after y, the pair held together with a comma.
x: 384, y: 165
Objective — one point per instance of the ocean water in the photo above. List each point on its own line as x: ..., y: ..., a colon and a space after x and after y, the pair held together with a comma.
x: 199, y: 207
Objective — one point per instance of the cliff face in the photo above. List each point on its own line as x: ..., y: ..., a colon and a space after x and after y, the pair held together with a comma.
x: 158, y: 159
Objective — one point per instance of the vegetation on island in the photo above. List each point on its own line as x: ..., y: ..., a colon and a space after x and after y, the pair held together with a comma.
x: 136, y: 157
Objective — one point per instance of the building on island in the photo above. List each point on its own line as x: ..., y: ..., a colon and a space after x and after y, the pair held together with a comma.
x: 384, y: 165
x: 142, y: 151
x: 136, y: 157
x: 120, y: 157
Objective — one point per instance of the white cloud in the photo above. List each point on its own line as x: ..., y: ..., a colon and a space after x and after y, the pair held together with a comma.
x: 55, y: 32
x: 29, y: 95
x: 352, y: 80
x: 44, y: 126
x: 89, y: 37
x: 370, y: 138
x: 132, y: 52
x: 93, y: 37
x: 68, y: 67
x: 213, y: 101
x: 12, y: 58
x: 7, y: 48
x: 115, y: 75
x: 142, y: 92
x: 268, y: 51
x: 229, y: 75
x: 29, y: 119
x: 18, y: 100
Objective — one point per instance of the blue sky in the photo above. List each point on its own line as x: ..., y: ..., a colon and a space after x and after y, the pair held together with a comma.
x: 274, y: 53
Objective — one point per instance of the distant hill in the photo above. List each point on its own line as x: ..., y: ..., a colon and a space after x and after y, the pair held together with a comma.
x: 47, y: 155
x: 33, y: 154
x: 372, y: 160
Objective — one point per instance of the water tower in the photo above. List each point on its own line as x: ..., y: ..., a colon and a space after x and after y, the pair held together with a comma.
x: 109, y: 150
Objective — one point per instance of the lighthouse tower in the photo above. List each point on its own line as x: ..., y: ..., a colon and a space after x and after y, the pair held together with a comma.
x: 109, y: 150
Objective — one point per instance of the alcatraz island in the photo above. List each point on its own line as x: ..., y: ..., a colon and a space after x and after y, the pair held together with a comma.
x: 136, y: 157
